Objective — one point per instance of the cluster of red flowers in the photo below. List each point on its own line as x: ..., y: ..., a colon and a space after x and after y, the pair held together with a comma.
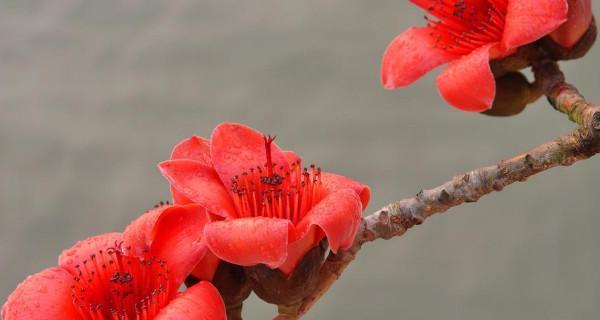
x: 131, y: 275
x: 239, y: 200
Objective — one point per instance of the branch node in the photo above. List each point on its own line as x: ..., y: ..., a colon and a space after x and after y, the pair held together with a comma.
x: 466, y: 178
x: 530, y: 161
x: 408, y: 221
x: 420, y: 194
x: 596, y: 121
x: 444, y: 197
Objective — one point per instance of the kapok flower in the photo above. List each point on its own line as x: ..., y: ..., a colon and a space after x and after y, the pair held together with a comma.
x: 130, y: 275
x: 578, y: 21
x: 270, y: 210
x: 467, y: 34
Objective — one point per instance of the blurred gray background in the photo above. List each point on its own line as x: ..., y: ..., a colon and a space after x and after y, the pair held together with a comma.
x: 94, y: 93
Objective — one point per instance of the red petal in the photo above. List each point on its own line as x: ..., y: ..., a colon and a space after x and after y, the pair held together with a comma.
x: 82, y: 250
x: 193, y: 148
x: 425, y: 4
x: 177, y: 238
x: 200, y: 184
x: 468, y: 83
x: 299, y: 248
x: 137, y: 237
x: 249, y: 241
x: 205, y: 270
x: 178, y: 197
x: 578, y: 21
x: 292, y: 157
x: 530, y: 20
x: 236, y: 148
x: 333, y: 182
x: 44, y: 295
x: 200, y: 302
x: 411, y: 55
x: 338, y: 215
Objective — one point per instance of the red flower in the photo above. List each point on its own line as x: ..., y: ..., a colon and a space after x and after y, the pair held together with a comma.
x: 131, y: 275
x: 467, y: 34
x: 579, y: 19
x: 270, y: 210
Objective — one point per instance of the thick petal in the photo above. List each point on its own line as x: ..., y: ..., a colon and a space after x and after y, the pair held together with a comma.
x: 333, y: 182
x: 425, y: 4
x: 298, y: 249
x: 530, y: 20
x: 137, y: 237
x: 468, y: 83
x: 200, y: 302
x: 249, y: 241
x: 236, y: 148
x: 193, y: 148
x: 178, y: 197
x: 292, y: 157
x: 338, y: 215
x: 177, y: 238
x: 578, y: 21
x: 82, y: 250
x: 205, y: 270
x: 411, y: 55
x: 199, y: 183
x: 44, y: 295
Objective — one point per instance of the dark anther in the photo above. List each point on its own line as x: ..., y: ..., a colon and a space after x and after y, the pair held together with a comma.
x: 115, y: 277
x: 126, y: 277
x: 272, y: 181
x: 117, y: 248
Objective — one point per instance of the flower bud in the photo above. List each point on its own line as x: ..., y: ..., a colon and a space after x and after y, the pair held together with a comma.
x: 273, y: 286
x: 513, y: 94
x: 519, y: 60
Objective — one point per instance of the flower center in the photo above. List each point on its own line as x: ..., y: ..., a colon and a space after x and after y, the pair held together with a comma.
x: 465, y: 25
x: 274, y: 192
x: 111, y: 285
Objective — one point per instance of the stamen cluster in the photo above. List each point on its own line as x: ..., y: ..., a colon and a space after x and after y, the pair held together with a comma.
x: 274, y: 191
x: 112, y: 285
x: 466, y: 25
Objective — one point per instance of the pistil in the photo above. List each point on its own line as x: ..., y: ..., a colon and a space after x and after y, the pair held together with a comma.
x: 274, y: 192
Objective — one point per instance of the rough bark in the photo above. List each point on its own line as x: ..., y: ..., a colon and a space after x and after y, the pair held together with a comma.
x: 396, y: 218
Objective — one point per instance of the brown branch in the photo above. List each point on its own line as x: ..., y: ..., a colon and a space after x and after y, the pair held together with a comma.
x: 396, y: 218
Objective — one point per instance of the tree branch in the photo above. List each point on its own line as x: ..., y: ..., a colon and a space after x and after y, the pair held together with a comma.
x: 396, y: 218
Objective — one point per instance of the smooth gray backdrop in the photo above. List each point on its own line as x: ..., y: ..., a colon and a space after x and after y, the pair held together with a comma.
x: 94, y: 93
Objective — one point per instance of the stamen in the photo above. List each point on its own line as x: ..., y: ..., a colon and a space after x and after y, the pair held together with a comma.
x: 465, y: 25
x: 276, y: 192
x: 111, y: 285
